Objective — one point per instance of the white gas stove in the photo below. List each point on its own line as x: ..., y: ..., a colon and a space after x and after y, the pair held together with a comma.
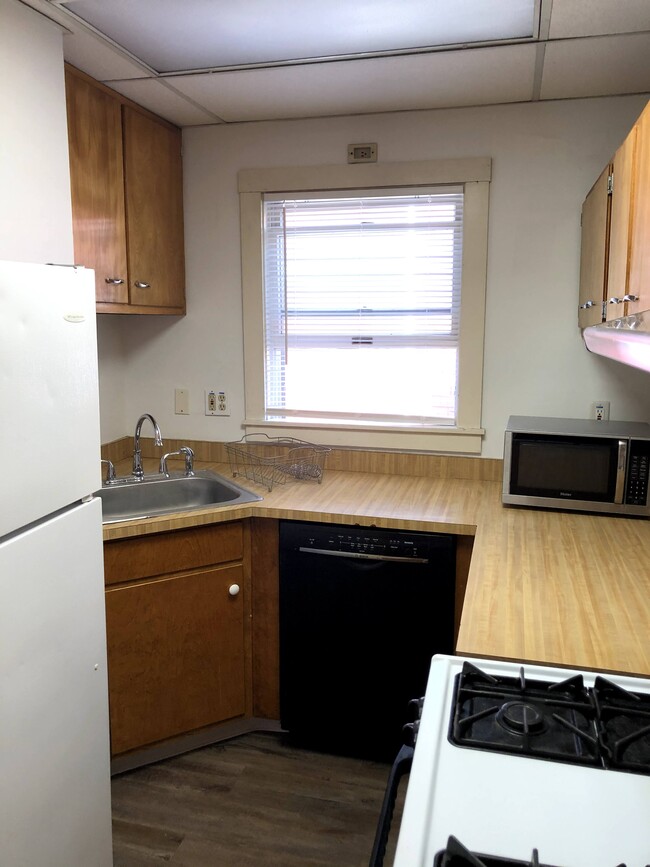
x: 568, y: 798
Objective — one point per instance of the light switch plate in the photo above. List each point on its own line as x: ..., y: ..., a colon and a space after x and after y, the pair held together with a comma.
x: 181, y: 401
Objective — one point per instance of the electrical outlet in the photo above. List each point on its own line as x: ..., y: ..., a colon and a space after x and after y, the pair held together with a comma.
x: 216, y: 403
x: 362, y: 153
x: 600, y: 410
x: 222, y: 404
x: 181, y: 401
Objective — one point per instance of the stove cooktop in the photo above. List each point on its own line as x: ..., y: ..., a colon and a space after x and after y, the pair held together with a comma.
x: 568, y: 774
x: 604, y: 726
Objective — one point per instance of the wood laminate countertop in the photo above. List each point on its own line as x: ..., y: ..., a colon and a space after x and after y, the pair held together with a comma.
x: 543, y: 586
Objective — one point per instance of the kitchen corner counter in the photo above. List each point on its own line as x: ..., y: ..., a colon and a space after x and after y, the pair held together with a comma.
x: 543, y: 586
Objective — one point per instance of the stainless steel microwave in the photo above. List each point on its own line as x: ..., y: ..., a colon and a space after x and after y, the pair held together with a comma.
x: 577, y: 464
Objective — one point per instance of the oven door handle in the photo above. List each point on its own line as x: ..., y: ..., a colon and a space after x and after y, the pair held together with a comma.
x: 401, y: 766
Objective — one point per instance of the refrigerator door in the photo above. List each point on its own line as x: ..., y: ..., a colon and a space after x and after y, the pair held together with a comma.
x: 54, y: 754
x: 49, y: 437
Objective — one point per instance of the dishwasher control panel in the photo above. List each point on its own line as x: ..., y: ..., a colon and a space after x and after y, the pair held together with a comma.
x: 363, y: 541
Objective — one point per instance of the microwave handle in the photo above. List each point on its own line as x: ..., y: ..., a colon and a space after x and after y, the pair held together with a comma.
x: 620, y: 471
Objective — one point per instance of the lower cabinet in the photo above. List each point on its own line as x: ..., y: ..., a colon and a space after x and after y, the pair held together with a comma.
x: 176, y: 637
x: 186, y: 648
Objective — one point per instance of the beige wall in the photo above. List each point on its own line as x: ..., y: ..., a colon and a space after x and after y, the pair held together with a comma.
x: 545, y: 158
x: 35, y: 217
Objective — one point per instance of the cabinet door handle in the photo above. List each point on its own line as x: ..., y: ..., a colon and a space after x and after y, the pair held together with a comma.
x: 630, y: 298
x: 114, y: 281
x: 614, y: 300
x: 140, y: 285
x: 586, y: 305
x: 234, y: 590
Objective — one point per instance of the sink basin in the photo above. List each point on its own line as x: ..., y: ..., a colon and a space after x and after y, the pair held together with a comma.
x: 128, y: 499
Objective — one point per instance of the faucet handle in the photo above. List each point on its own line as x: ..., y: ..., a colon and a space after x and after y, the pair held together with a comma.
x: 189, y: 460
x: 110, y: 472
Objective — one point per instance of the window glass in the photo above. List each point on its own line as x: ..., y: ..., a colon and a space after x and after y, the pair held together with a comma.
x: 361, y: 305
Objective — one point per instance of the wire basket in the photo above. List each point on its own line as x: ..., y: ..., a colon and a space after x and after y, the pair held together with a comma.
x: 272, y: 460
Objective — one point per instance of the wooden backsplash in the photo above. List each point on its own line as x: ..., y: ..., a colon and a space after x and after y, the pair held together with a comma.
x: 350, y: 460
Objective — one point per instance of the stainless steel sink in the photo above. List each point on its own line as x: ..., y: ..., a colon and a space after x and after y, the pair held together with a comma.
x: 128, y: 499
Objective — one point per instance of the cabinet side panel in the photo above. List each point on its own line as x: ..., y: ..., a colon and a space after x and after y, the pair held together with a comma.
x: 266, y: 618
x: 593, y: 253
x: 640, y: 253
x: 618, y: 270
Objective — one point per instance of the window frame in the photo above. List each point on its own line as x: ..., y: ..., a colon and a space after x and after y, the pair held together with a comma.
x: 473, y: 175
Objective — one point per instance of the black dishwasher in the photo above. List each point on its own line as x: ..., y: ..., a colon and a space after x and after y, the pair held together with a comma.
x: 362, y: 611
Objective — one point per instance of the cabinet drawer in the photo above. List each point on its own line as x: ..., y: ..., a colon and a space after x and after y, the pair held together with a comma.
x: 162, y: 554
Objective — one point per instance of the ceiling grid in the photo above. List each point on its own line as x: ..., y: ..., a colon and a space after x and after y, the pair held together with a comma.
x: 211, y: 61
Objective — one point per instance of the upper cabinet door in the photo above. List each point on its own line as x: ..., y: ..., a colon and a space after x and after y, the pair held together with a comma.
x: 154, y: 207
x: 593, y: 254
x: 620, y: 234
x: 97, y: 186
x: 640, y: 254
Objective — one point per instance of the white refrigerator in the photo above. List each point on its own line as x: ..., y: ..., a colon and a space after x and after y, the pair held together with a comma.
x: 54, y: 741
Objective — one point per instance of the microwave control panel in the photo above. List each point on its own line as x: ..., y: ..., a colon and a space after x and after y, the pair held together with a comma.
x: 636, y: 493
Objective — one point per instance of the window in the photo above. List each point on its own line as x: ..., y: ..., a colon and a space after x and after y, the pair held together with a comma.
x: 363, y: 308
x: 360, y: 294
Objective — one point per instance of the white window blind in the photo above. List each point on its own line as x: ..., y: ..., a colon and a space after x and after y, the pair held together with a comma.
x: 362, y: 304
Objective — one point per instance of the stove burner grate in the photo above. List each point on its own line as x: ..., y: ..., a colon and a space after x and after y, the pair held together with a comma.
x: 606, y: 726
x: 456, y: 855
x: 625, y: 726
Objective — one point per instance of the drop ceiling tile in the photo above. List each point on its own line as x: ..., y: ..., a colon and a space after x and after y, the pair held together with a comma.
x: 600, y: 66
x: 97, y: 57
x: 450, y: 78
x: 200, y: 34
x: 598, y: 17
x: 163, y: 100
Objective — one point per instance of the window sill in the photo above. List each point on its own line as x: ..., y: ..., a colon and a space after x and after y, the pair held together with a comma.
x: 353, y: 434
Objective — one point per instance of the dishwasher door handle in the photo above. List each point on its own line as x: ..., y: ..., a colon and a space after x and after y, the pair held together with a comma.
x: 358, y: 555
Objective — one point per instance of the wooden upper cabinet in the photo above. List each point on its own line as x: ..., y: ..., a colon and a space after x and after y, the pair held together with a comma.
x: 97, y: 186
x: 154, y: 208
x: 639, y: 284
x: 620, y: 225
x: 615, y: 262
x: 127, y: 199
x: 593, y: 252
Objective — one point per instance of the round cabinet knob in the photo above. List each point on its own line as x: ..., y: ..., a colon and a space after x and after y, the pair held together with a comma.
x: 234, y: 589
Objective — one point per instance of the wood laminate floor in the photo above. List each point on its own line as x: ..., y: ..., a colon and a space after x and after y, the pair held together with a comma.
x: 249, y: 802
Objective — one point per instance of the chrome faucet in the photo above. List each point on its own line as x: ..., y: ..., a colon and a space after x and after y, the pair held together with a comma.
x: 110, y: 472
x: 189, y: 461
x: 138, y: 472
